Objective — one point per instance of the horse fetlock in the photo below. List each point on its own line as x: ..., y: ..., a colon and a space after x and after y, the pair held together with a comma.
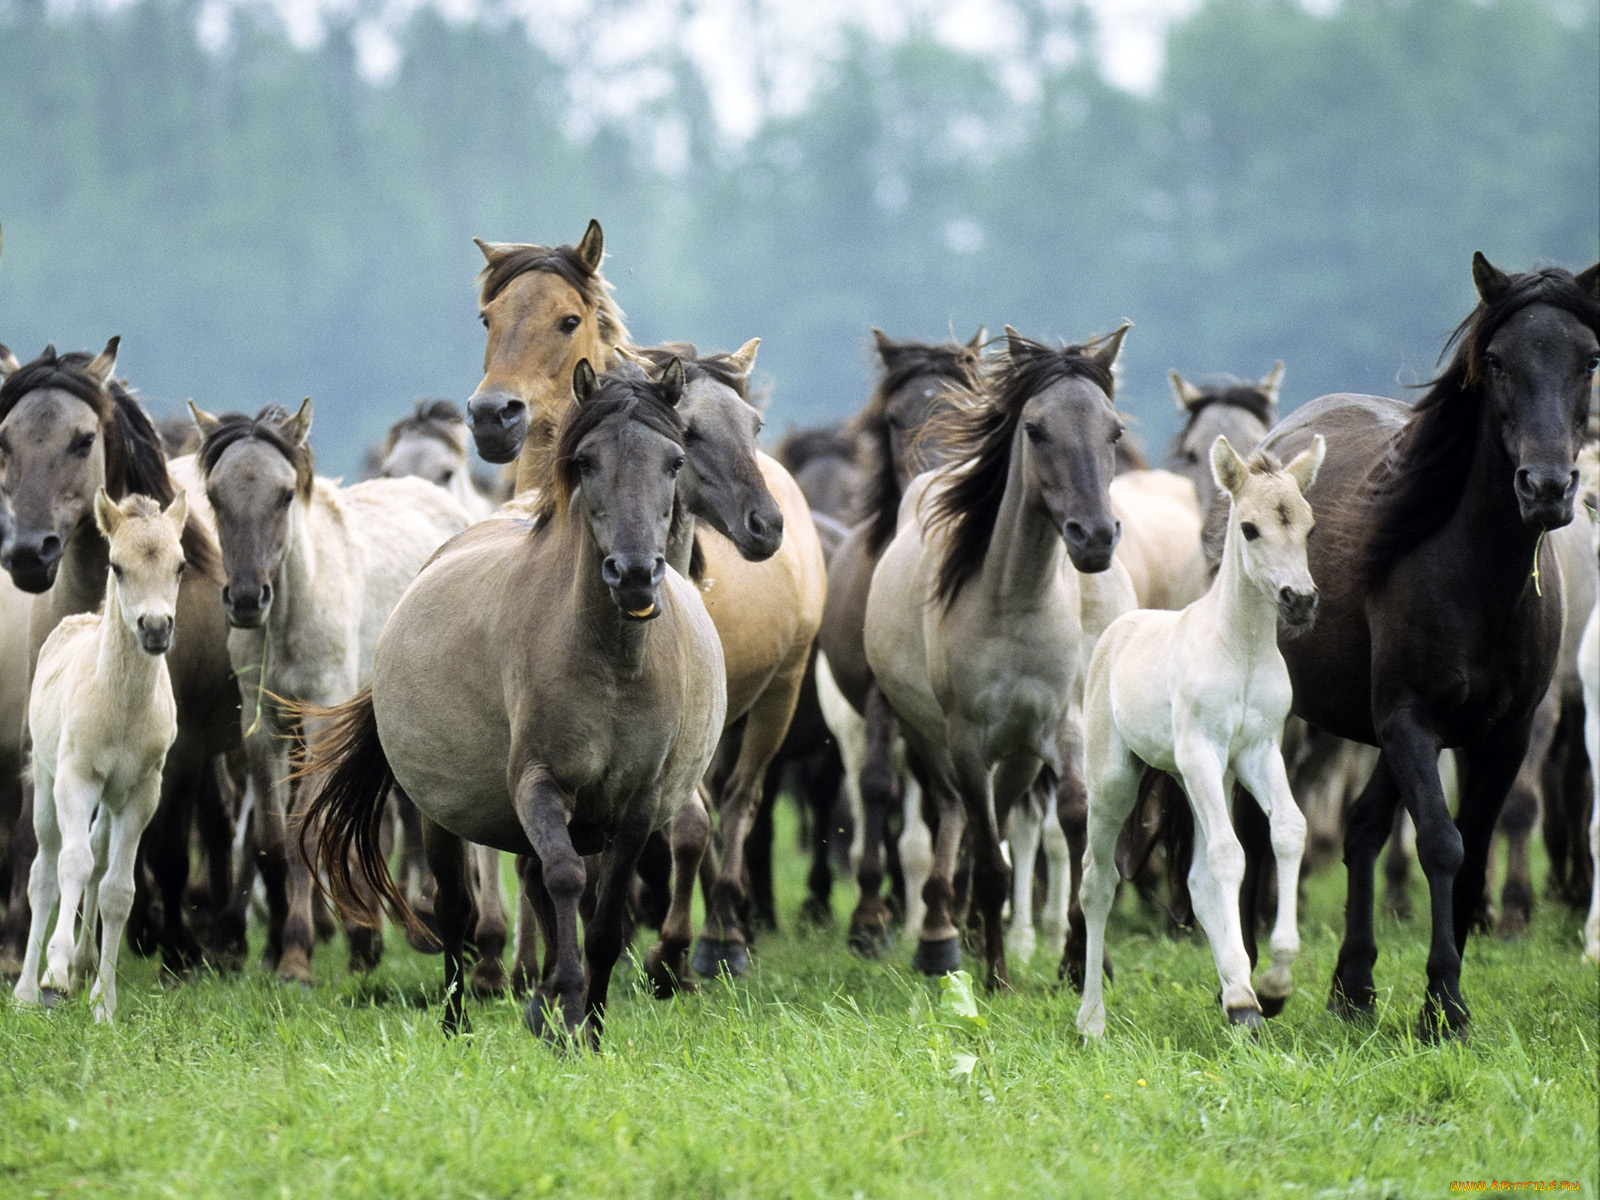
x: 937, y: 956
x: 714, y: 957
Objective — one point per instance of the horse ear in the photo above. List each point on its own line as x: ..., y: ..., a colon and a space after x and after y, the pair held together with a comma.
x: 1304, y: 466
x: 1271, y: 382
x: 672, y: 381
x: 743, y: 359
x: 1589, y: 280
x: 978, y: 338
x: 178, y: 511
x: 102, y: 364
x: 1188, y: 395
x: 8, y: 361
x: 106, y: 513
x: 298, y: 427
x: 1227, y: 468
x: 593, y: 246
x: 203, y: 421
x: 886, y: 346
x: 1111, y: 345
x: 493, y: 252
x: 584, y: 384
x: 1016, y: 344
x: 1489, y: 279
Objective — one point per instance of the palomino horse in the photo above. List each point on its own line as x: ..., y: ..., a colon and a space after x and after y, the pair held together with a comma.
x: 66, y: 429
x: 973, y: 625
x: 432, y: 444
x: 545, y: 308
x: 313, y: 571
x: 103, y: 719
x: 585, y: 739
x: 1433, y: 629
x: 917, y: 381
x: 1202, y: 694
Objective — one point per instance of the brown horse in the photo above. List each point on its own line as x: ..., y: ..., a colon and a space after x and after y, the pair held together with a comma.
x: 1434, y: 630
x: 585, y: 739
x: 914, y: 386
x: 66, y: 429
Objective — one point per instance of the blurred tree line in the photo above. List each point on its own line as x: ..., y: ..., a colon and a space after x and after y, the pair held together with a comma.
x: 264, y: 223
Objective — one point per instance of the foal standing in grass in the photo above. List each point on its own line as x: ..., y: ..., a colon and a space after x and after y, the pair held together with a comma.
x: 103, y: 718
x: 1203, y: 694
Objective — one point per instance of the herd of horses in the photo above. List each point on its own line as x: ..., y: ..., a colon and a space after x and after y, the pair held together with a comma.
x: 969, y: 628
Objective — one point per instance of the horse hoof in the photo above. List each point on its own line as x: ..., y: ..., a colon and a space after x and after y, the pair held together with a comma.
x: 871, y: 943
x: 1247, y: 1018
x: 49, y: 997
x: 714, y: 957
x: 1271, y: 1006
x: 10, y: 968
x: 488, y: 978
x: 937, y: 957
x: 667, y: 981
x: 1437, y: 1025
x: 1513, y: 923
x: 816, y: 914
x: 1352, y: 1008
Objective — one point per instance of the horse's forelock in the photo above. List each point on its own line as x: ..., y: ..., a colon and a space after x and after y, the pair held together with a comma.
x: 565, y: 263
x: 234, y: 428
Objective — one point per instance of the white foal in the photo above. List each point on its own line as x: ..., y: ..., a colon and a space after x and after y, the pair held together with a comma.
x: 1203, y: 694
x: 103, y: 718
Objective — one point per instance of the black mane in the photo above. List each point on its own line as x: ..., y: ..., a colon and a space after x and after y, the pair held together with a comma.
x: 265, y: 426
x: 979, y: 439
x: 1416, y: 488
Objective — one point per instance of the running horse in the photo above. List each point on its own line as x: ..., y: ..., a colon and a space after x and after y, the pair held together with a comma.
x: 1441, y: 607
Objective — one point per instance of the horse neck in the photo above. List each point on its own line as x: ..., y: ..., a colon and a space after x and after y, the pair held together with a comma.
x: 596, y: 615
x: 680, y: 546
x: 85, y: 564
x: 1243, y: 612
x: 296, y: 581
x: 1025, y: 554
x: 124, y: 673
x: 1486, y: 534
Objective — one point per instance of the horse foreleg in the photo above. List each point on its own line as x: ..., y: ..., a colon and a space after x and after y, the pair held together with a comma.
x: 1263, y: 775
x: 542, y: 810
x: 116, y: 888
x: 667, y: 962
x: 938, y: 943
x: 604, y: 932
x: 76, y: 795
x: 916, y: 845
x: 525, y: 953
x: 83, y: 957
x: 446, y: 856
x: 489, y: 975
x: 1023, y: 832
x: 23, y: 850
x: 165, y: 848
x: 1072, y: 820
x: 869, y: 923
x: 1113, y: 791
x: 44, y: 885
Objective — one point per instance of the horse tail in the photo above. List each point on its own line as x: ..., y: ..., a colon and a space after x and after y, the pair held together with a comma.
x: 340, y: 834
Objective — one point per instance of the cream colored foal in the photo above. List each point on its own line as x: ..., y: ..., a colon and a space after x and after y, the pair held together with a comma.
x: 103, y: 718
x: 1202, y: 694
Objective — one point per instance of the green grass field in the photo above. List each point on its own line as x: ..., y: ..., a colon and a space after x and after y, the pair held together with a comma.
x: 819, y: 1075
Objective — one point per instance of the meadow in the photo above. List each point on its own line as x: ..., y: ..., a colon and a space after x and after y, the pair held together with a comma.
x: 818, y: 1075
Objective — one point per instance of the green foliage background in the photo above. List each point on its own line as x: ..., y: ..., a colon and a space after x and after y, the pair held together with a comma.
x: 265, y: 224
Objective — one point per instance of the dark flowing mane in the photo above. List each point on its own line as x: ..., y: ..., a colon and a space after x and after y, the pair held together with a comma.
x: 136, y: 463
x: 977, y: 439
x: 1415, y: 489
x: 567, y: 264
x: 959, y: 365
x: 440, y: 420
x: 1234, y: 393
x: 265, y: 426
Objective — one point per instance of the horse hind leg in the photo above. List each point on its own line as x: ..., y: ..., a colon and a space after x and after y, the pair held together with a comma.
x: 666, y: 964
x: 1397, y: 865
x: 489, y: 974
x: 875, y: 791
x: 447, y: 859
x: 916, y: 848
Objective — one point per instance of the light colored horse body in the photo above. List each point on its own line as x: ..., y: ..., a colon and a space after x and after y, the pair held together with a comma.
x: 432, y: 444
x: 313, y: 570
x: 1160, y: 546
x: 103, y: 717
x: 973, y: 623
x: 1203, y: 694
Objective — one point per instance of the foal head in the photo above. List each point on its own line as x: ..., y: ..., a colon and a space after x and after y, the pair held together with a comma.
x: 618, y: 453
x: 146, y: 563
x: 66, y: 429
x: 1269, y: 520
x: 545, y: 308
x: 255, y: 470
x: 722, y: 482
x: 430, y: 444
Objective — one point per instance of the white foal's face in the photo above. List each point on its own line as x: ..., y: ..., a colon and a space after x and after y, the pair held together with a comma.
x: 146, y: 563
x: 1270, y: 520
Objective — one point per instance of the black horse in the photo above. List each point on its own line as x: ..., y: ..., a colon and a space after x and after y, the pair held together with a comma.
x: 1440, y: 619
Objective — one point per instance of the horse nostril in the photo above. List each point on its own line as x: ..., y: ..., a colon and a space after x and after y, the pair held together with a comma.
x: 1524, y: 482
x: 266, y: 594
x: 1286, y: 595
x: 50, y: 548
x: 1076, y: 532
x: 610, y: 573
x: 658, y: 570
x: 512, y: 412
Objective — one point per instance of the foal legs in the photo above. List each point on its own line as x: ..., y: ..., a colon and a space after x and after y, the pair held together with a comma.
x: 44, y: 885
x: 75, y: 798
x: 1113, y: 791
x: 115, y: 899
x: 1023, y: 833
x: 1262, y: 772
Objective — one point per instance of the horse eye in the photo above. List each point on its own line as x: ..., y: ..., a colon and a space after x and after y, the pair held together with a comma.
x: 180, y: 569
x: 1494, y: 363
x: 568, y: 324
x: 1035, y: 434
x: 690, y: 435
x: 1594, y: 365
x: 116, y: 570
x: 484, y: 317
x: 445, y: 479
x: 1251, y: 533
x: 677, y: 464
x: 582, y: 464
x: 83, y: 444
x: 285, y: 500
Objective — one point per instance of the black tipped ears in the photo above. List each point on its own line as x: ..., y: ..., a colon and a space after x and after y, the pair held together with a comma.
x: 1589, y: 280
x: 978, y: 338
x: 885, y: 345
x: 593, y: 246
x: 584, y: 384
x: 672, y: 382
x: 1015, y: 343
x: 1489, y: 279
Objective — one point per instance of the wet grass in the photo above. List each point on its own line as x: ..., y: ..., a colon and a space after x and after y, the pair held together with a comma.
x: 818, y: 1075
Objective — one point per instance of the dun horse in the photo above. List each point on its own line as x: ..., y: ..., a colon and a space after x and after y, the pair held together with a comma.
x: 973, y: 626
x: 313, y: 571
x: 103, y: 719
x: 1202, y: 694
x: 1433, y: 629
x: 587, y: 737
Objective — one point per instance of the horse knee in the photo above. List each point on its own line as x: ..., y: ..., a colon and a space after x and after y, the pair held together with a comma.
x: 1288, y: 832
x: 1440, y: 850
x: 116, y: 900
x: 1520, y: 812
x: 564, y: 878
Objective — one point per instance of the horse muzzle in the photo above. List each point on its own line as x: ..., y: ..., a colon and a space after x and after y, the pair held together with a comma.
x: 499, y: 424
x: 155, y: 634
x: 634, y: 584
x: 247, y: 606
x: 32, y: 564
x: 1545, y: 496
x: 1297, y: 609
x: 1090, y: 547
x: 762, y: 535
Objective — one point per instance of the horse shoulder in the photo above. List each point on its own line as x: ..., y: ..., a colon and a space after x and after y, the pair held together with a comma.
x: 801, y: 544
